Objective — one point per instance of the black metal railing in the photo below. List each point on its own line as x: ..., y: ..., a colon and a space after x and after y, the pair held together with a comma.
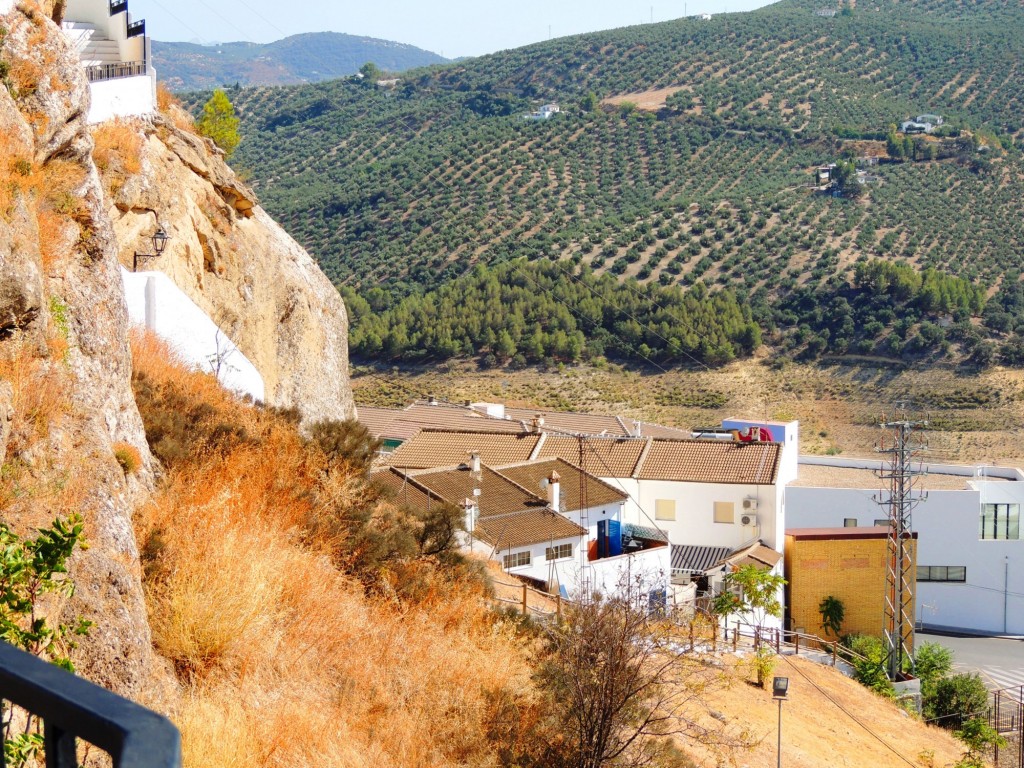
x: 115, y: 70
x: 137, y: 28
x: 118, y: 6
x: 72, y: 708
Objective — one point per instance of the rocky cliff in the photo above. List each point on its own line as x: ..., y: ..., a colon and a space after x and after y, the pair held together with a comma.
x: 69, y: 425
x: 65, y: 396
x: 263, y: 290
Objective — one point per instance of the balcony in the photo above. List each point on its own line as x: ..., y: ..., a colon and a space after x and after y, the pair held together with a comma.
x: 115, y: 70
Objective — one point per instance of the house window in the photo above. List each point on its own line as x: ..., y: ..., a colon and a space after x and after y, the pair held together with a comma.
x: 665, y: 509
x: 517, y: 560
x: 558, y: 552
x: 725, y: 512
x: 954, y: 573
x: 882, y: 522
x: 849, y: 522
x: 1000, y: 521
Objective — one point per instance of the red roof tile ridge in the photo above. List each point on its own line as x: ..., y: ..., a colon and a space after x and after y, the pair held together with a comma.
x: 638, y: 467
x: 569, y: 467
x: 539, y: 446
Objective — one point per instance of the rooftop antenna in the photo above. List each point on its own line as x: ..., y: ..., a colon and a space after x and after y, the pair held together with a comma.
x: 901, y: 498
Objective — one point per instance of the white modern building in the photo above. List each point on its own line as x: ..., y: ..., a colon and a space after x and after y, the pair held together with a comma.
x: 970, y: 555
x: 115, y: 52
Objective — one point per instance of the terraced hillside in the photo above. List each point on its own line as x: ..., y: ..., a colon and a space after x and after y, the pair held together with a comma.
x: 684, y: 150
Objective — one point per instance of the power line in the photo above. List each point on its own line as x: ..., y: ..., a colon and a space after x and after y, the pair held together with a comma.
x: 847, y: 712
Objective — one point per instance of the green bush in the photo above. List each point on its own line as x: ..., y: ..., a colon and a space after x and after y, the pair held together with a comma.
x: 869, y: 671
x: 958, y: 697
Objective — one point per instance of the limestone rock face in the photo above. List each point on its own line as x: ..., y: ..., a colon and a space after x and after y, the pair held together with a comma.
x: 65, y: 338
x: 261, y: 288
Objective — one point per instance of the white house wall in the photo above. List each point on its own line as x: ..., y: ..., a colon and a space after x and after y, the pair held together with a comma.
x: 947, y: 524
x: 155, y: 302
x: 121, y: 97
x: 695, y: 506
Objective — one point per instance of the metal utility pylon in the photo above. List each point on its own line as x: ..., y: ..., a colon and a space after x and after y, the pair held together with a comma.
x: 900, y: 579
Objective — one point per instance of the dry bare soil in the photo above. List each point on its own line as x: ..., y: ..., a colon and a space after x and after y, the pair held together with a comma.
x: 973, y: 419
x: 828, y: 720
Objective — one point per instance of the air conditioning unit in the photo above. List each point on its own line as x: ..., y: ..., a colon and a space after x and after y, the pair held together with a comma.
x: 750, y: 505
x: 748, y: 519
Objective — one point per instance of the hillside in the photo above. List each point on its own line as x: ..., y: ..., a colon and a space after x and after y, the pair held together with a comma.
x: 304, y: 58
x: 712, y: 179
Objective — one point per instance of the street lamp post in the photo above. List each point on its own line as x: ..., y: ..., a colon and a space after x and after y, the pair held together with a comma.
x: 159, y: 239
x: 780, y: 687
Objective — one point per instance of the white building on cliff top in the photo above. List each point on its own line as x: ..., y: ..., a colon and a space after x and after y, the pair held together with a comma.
x: 115, y: 52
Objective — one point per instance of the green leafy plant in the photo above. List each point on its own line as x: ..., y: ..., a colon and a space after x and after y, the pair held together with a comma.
x: 832, y: 613
x: 31, y: 568
x: 752, y: 590
x: 958, y: 697
x: 869, y: 664
x: 979, y: 737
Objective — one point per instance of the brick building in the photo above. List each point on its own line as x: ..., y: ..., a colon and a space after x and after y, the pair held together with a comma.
x: 846, y: 563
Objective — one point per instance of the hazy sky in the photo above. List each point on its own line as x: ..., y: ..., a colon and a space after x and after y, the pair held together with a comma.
x: 449, y: 27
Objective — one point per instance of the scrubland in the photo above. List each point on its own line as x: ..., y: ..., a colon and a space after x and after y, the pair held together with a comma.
x: 290, y: 647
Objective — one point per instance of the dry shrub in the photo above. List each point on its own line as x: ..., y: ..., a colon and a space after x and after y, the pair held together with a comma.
x: 171, y: 107
x: 128, y: 457
x: 39, y: 391
x: 26, y: 71
x: 19, y: 176
x: 285, y: 658
x: 118, y: 153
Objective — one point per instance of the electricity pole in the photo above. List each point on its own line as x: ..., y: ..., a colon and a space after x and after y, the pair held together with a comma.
x: 901, y: 498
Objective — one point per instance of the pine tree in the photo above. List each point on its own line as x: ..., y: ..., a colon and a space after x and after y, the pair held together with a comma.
x: 219, y: 122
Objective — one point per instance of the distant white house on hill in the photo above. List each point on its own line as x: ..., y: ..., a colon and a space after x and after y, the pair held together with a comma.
x: 544, y: 113
x: 921, y: 124
x: 115, y: 52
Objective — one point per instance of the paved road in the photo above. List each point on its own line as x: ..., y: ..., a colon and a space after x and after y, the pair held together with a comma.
x: 999, y: 661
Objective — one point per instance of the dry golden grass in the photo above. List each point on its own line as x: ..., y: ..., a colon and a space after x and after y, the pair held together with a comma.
x: 117, y: 153
x: 170, y: 107
x: 39, y: 391
x: 25, y: 72
x: 284, y: 659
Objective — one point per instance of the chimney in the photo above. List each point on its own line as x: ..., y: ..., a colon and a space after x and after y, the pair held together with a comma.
x: 431, y: 400
x: 536, y: 423
x: 469, y: 509
x: 474, y: 461
x: 554, y: 491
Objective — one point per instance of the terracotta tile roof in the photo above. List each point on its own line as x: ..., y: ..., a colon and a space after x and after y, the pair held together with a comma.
x: 405, y: 490
x: 602, y: 456
x: 525, y: 528
x: 405, y: 423
x: 711, y: 461
x: 498, y: 495
x: 697, y: 461
x: 756, y: 554
x: 446, y: 448
x: 531, y: 474
x: 568, y: 421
